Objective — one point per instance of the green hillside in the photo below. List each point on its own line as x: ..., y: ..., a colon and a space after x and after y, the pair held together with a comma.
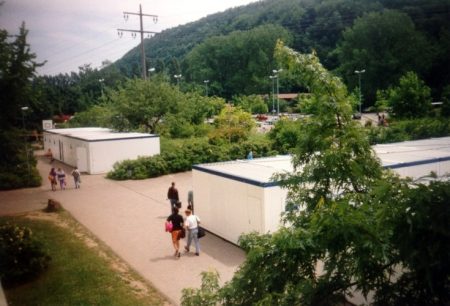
x: 318, y: 25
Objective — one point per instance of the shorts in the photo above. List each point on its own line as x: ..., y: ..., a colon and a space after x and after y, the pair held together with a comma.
x: 175, y: 235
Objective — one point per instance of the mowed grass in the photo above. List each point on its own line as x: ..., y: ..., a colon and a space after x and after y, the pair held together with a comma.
x: 77, y: 274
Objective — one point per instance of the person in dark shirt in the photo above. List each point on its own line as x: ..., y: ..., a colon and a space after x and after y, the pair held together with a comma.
x: 177, y: 223
x: 172, y: 195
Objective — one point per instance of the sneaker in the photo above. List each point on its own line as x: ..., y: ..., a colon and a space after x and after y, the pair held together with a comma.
x: 179, y: 254
x: 186, y: 248
x: 197, y: 254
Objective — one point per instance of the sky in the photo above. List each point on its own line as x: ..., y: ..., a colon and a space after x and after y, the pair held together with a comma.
x: 71, y: 33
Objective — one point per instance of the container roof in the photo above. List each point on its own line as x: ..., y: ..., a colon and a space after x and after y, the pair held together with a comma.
x: 259, y: 171
x: 98, y: 134
x: 409, y: 153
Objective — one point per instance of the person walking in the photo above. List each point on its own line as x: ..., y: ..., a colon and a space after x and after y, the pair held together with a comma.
x: 52, y: 179
x: 191, y: 201
x: 177, y: 229
x: 76, y: 177
x: 61, y: 175
x: 191, y: 224
x: 172, y: 195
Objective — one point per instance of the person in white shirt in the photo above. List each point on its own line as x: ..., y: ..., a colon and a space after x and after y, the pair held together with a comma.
x: 191, y: 225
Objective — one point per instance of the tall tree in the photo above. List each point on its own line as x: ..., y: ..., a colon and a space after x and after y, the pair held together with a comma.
x: 411, y: 98
x: 386, y: 45
x: 142, y: 104
x: 238, y: 63
x: 17, y: 68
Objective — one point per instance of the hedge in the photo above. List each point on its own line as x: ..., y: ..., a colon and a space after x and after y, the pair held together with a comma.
x: 178, y: 156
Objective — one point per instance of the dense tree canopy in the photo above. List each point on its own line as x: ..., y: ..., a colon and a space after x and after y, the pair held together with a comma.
x: 386, y: 45
x: 238, y: 63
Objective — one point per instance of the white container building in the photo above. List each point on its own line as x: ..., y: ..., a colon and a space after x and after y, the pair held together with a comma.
x: 95, y: 150
x: 237, y: 197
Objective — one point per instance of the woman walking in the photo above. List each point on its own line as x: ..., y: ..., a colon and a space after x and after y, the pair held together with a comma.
x: 52, y: 178
x: 61, y: 175
x: 177, y: 228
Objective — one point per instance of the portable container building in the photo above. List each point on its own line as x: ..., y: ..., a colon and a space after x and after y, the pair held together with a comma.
x: 238, y: 197
x: 95, y: 150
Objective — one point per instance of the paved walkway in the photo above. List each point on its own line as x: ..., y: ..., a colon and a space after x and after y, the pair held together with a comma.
x: 129, y: 217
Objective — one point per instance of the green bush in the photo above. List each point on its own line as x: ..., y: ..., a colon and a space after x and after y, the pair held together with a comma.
x: 22, y: 255
x: 285, y: 135
x: 180, y: 155
x: 409, y: 130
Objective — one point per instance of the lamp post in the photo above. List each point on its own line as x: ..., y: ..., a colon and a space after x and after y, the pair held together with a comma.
x: 276, y: 72
x: 206, y: 86
x: 24, y: 109
x: 273, y: 77
x: 178, y: 77
x: 149, y: 71
x: 359, y: 72
x: 101, y: 84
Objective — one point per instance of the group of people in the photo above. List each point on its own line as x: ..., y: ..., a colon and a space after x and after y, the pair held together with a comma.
x: 58, y: 175
x: 181, y: 227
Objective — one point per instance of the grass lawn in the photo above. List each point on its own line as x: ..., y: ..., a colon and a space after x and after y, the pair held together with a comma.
x: 83, y: 271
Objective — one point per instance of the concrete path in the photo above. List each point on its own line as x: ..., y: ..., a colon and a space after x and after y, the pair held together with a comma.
x: 129, y: 217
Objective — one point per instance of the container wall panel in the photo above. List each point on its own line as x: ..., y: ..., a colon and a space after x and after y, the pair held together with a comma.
x: 227, y: 207
x: 274, y: 205
x: 103, y: 154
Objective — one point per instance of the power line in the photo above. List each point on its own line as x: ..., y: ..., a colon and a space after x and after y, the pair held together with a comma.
x: 64, y: 62
x: 140, y: 31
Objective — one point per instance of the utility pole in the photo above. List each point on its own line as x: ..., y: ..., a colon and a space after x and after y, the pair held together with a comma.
x: 141, y: 31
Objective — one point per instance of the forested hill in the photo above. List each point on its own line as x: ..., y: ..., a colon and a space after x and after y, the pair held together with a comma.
x: 420, y: 28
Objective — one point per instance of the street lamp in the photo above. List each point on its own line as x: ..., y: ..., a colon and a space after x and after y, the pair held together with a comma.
x: 178, y: 77
x: 276, y: 72
x: 273, y: 77
x: 206, y: 86
x: 24, y: 109
x: 359, y: 72
x: 150, y: 70
x: 101, y: 84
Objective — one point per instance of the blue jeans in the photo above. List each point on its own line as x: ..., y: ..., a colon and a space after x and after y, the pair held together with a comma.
x: 173, y: 203
x: 193, y: 235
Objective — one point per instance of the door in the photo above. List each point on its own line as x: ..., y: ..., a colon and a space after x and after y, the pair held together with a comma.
x: 61, y: 151
x: 82, y: 163
x: 254, y: 214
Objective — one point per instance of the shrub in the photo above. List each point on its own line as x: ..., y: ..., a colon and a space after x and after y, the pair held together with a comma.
x: 22, y: 255
x: 178, y: 156
x: 285, y: 135
x: 409, y: 130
